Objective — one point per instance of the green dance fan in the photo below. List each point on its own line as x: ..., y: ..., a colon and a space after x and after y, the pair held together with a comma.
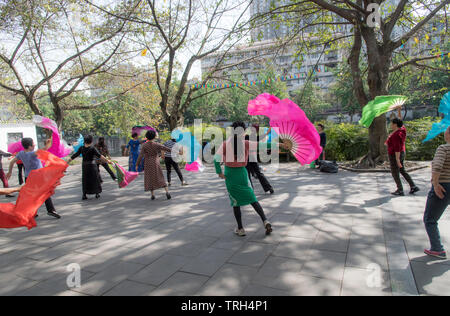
x: 379, y: 106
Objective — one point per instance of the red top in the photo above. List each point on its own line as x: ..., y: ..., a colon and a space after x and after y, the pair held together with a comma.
x: 396, y: 142
x: 229, y: 159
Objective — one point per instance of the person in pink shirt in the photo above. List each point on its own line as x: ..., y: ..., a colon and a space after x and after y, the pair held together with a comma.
x: 234, y: 153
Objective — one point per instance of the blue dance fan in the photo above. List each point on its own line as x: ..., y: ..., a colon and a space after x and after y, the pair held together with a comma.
x: 439, y: 128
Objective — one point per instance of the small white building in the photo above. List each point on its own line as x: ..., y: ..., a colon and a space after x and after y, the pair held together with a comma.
x: 11, y: 132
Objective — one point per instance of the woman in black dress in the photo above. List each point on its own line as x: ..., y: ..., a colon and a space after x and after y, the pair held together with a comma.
x: 103, y: 150
x: 90, y: 175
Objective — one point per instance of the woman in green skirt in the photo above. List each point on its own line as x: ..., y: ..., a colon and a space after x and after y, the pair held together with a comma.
x: 234, y: 153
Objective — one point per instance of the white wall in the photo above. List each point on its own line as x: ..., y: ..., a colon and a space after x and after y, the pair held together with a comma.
x: 27, y: 129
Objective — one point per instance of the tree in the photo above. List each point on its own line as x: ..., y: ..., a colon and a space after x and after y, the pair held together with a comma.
x: 312, y: 100
x: 323, y: 21
x: 175, y: 34
x: 342, y: 90
x: 53, y: 46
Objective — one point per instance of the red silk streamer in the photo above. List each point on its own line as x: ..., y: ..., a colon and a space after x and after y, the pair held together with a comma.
x: 40, y: 185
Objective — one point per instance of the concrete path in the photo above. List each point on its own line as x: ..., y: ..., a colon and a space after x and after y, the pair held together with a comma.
x: 333, y: 235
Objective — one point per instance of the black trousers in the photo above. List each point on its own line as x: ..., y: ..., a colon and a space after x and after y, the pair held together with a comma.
x: 108, y: 169
x: 320, y: 157
x: 254, y: 169
x: 48, y: 203
x: 21, y: 168
x: 169, y: 164
x: 396, y: 171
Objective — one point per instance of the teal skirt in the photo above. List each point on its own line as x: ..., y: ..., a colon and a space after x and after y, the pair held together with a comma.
x: 238, y: 186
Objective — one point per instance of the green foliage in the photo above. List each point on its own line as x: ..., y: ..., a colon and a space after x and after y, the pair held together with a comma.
x: 345, y: 141
x: 232, y: 103
x: 417, y: 132
x: 312, y: 100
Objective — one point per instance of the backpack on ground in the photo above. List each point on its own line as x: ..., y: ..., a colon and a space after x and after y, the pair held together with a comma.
x: 329, y: 166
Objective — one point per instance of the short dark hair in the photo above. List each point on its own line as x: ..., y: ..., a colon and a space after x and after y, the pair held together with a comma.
x: 88, y: 139
x: 150, y: 135
x: 321, y: 126
x: 398, y: 122
x: 134, y: 135
x: 27, y: 142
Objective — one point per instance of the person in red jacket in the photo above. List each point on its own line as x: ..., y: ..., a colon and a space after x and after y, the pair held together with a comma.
x: 396, y: 143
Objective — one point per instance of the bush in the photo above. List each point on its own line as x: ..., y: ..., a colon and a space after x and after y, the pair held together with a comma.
x: 345, y: 141
x: 417, y: 132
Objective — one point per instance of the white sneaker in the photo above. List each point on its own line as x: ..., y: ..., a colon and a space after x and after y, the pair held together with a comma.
x: 268, y: 227
x: 240, y: 232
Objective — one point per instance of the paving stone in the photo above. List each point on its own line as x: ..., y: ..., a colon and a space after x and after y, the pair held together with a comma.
x: 432, y: 278
x: 157, y: 242
x: 333, y: 241
x: 160, y: 270
x: 230, y: 280
x: 252, y: 254
x: 181, y: 284
x: 325, y: 264
x: 258, y: 290
x: 130, y: 288
x: 208, y: 262
x: 13, y: 284
x: 296, y: 248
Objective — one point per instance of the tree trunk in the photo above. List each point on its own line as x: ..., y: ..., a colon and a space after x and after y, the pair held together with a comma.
x: 57, y: 111
x: 379, y: 59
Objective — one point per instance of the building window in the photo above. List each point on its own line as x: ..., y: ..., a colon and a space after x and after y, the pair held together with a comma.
x: 14, y: 137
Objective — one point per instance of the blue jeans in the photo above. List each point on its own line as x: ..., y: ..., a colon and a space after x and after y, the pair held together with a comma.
x: 433, y: 212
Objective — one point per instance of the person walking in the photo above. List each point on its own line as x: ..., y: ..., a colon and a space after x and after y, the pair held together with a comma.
x: 396, y: 144
x: 31, y: 162
x: 153, y: 175
x: 438, y: 198
x: 234, y: 153
x: 2, y: 173
x: 170, y: 163
x: 103, y: 150
x: 134, y: 146
x: 90, y: 178
x: 254, y: 169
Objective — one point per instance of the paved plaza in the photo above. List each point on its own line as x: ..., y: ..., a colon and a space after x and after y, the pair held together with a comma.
x: 333, y: 235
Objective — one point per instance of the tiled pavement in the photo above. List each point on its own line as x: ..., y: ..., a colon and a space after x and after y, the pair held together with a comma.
x: 333, y: 235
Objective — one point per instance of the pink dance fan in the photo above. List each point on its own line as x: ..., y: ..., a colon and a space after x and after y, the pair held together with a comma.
x: 58, y: 148
x: 124, y: 177
x: 196, y: 166
x: 291, y: 124
x: 16, y: 147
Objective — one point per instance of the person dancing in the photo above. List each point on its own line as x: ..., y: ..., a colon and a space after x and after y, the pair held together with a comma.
x: 170, y: 163
x: 254, y: 169
x: 103, y: 150
x: 31, y: 162
x: 90, y: 177
x: 234, y: 153
x: 153, y: 175
x: 396, y: 143
x: 134, y: 146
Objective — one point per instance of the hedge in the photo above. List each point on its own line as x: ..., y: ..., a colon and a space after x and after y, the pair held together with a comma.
x: 348, y: 142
